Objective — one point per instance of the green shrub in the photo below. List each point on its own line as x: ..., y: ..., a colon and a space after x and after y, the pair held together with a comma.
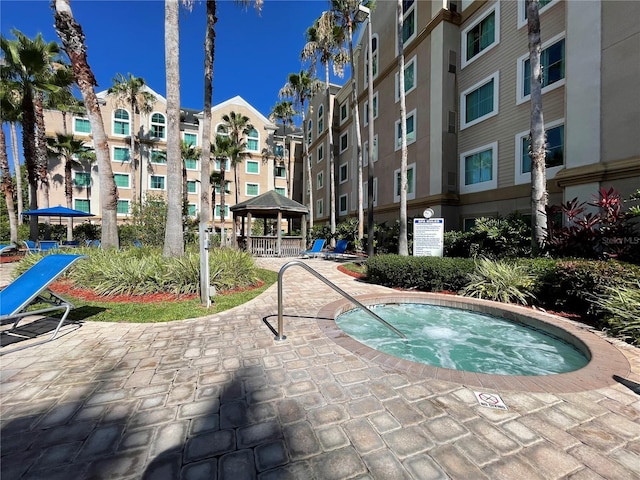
x: 501, y: 281
x: 621, y: 306
x: 428, y: 274
x: 141, y: 271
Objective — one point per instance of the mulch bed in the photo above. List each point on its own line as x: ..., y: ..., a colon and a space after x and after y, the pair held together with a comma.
x: 62, y: 287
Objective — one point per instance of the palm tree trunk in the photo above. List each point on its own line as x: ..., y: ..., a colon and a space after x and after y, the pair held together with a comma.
x: 132, y: 154
x: 332, y: 166
x: 537, y: 153
x: 305, y: 149
x: 70, y: 32
x: 16, y: 168
x: 403, y: 248
x: 358, y: 151
x: 68, y: 193
x: 174, y: 238
x: 7, y: 188
x: 205, y: 158
x: 29, y: 151
x: 42, y: 159
x: 223, y: 186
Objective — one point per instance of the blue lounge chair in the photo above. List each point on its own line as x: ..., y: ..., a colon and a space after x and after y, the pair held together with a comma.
x: 32, y: 287
x: 339, y: 252
x: 31, y: 246
x: 316, y: 248
x: 6, y: 247
x: 48, y: 245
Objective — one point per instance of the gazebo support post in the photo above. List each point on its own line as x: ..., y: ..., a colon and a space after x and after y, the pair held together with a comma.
x: 279, y: 225
x: 248, y: 236
x: 303, y: 231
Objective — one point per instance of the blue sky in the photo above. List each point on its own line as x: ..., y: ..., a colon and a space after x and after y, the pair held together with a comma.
x: 254, y: 52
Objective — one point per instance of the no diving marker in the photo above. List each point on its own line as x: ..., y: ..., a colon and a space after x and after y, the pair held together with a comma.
x: 490, y: 400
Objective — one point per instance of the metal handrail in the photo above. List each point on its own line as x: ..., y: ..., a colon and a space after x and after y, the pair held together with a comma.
x: 281, y: 336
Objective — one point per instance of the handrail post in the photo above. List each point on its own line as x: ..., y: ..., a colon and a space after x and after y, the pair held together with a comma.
x: 281, y: 336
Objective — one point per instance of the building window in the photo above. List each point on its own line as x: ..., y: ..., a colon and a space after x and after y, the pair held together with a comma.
x: 82, y: 179
x: 365, y: 153
x: 343, y: 173
x: 320, y: 180
x: 282, y: 191
x: 365, y: 190
x: 120, y: 122
x: 121, y: 154
x: 83, y: 205
x: 522, y: 10
x: 320, y: 153
x: 252, y: 167
x: 123, y: 207
x: 374, y: 50
x: 344, y: 141
x: 409, y: 79
x: 343, y: 205
x: 218, y: 164
x: 411, y: 130
x: 280, y: 172
x: 122, y: 180
x: 320, y: 119
x: 319, y: 207
x: 409, y: 21
x: 468, y: 224
x: 552, y: 59
x: 190, y: 139
x: 479, y: 102
x: 375, y: 109
x: 227, y: 187
x: 226, y: 211
x: 192, y: 186
x: 159, y: 157
x: 253, y: 140
x: 158, y: 126
x: 156, y: 182
x: 192, y: 210
x: 479, y: 169
x: 344, y: 112
x: 81, y: 126
x: 190, y: 163
x: 554, y: 159
x: 309, y: 131
x: 252, y: 189
x: 411, y: 183
x: 482, y: 35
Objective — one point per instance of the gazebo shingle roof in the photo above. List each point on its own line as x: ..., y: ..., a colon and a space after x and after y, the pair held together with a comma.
x: 270, y: 202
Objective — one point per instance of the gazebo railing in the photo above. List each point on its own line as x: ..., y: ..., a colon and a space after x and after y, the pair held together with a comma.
x: 267, y: 246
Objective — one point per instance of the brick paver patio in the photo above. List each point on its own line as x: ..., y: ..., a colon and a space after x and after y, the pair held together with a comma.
x: 220, y: 398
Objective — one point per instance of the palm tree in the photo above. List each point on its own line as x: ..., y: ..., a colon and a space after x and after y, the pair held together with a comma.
x: 70, y: 32
x: 284, y: 112
x: 403, y: 248
x: 238, y: 126
x: 9, y: 113
x: 301, y: 87
x: 537, y: 149
x: 187, y: 152
x: 6, y: 185
x: 71, y: 151
x: 222, y: 151
x: 174, y: 237
x: 324, y: 45
x: 25, y: 71
x: 131, y: 91
x: 345, y: 12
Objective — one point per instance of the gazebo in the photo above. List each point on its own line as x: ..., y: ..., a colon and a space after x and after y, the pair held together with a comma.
x: 271, y: 205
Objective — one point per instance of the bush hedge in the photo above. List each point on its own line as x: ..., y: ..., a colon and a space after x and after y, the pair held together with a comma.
x: 428, y: 274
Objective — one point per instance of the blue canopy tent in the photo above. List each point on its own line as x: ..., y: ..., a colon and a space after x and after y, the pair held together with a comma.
x: 59, y: 212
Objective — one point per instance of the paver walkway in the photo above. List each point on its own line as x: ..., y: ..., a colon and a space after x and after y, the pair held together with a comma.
x: 219, y: 398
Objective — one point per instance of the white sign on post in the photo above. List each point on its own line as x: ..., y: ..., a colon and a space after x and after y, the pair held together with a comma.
x: 428, y: 237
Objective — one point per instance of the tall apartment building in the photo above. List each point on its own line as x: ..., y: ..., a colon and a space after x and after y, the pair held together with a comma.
x: 268, y: 165
x: 468, y: 108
